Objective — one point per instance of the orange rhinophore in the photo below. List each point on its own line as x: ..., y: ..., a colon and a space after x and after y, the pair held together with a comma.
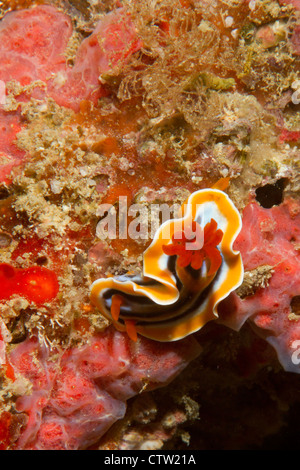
x: 188, y: 269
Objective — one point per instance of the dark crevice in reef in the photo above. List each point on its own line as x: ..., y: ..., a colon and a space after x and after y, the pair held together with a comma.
x: 4, y: 193
x: 295, y: 305
x: 271, y: 194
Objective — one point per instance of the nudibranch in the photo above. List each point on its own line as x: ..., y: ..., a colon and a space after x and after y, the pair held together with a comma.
x: 189, y: 267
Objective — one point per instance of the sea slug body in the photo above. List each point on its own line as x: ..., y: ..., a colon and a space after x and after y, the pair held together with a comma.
x: 189, y: 267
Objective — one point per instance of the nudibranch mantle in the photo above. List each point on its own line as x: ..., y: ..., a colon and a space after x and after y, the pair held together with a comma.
x: 172, y: 299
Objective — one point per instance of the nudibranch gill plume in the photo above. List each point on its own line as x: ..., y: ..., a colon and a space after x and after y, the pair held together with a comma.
x: 189, y: 267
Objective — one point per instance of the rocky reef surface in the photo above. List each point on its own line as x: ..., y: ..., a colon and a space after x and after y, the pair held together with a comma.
x: 149, y: 101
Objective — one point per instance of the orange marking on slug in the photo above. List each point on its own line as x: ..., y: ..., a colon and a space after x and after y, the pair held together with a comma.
x: 131, y: 329
x: 116, y: 302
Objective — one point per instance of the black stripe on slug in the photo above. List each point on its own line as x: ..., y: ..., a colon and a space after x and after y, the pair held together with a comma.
x: 144, y: 311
